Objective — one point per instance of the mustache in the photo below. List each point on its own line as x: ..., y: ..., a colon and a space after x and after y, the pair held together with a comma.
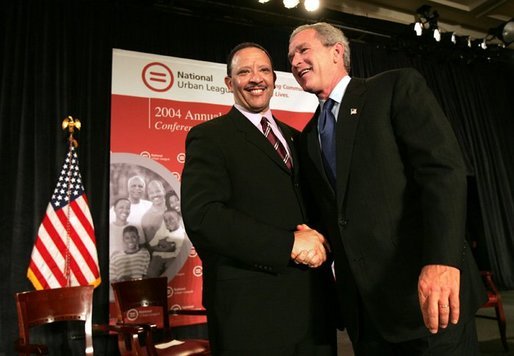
x: 252, y: 87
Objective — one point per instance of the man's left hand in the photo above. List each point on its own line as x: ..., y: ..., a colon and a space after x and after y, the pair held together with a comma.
x: 438, y: 292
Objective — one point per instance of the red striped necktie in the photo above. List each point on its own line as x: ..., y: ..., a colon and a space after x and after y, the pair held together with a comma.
x: 275, y: 142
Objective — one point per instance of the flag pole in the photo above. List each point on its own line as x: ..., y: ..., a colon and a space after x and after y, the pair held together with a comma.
x: 64, y: 253
x: 69, y: 124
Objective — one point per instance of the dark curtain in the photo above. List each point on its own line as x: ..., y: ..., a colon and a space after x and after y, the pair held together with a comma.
x: 56, y: 61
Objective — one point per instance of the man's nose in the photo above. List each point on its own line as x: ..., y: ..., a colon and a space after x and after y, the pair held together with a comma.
x: 296, y: 60
x: 256, y: 76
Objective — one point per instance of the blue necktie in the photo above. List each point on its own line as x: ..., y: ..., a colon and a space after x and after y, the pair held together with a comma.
x: 327, y: 135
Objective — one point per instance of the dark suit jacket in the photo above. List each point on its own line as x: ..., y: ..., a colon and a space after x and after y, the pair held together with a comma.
x: 240, y: 205
x: 399, y: 204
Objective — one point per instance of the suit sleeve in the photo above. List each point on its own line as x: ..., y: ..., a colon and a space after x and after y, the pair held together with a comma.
x: 214, y: 226
x: 427, y: 139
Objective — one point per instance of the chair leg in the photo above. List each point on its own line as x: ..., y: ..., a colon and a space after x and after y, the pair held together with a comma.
x: 502, y: 325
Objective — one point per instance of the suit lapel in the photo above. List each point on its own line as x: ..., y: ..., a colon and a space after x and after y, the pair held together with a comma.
x: 347, y: 123
x: 256, y: 138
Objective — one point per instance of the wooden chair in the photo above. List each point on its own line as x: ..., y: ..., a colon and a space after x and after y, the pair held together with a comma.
x: 137, y: 297
x: 494, y: 301
x: 53, y: 305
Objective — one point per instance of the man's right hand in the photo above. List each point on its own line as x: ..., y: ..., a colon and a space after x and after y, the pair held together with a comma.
x: 310, y: 247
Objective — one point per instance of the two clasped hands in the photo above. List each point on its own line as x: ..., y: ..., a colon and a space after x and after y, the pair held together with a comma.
x: 310, y: 247
x: 438, y: 285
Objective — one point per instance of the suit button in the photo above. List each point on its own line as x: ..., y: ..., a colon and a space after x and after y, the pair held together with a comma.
x: 342, y: 222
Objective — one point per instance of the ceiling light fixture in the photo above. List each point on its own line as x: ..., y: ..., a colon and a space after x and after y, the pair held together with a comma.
x: 311, y: 5
x: 428, y: 17
x: 504, y: 32
x: 437, y: 35
x: 418, y: 28
x: 289, y: 4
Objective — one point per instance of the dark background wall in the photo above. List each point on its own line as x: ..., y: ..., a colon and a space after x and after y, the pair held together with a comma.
x: 56, y: 61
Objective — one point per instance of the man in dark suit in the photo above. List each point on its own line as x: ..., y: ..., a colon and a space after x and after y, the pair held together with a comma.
x: 243, y: 211
x: 386, y: 184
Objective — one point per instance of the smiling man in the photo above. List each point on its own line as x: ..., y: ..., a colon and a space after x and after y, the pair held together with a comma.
x: 387, y: 184
x: 265, y: 280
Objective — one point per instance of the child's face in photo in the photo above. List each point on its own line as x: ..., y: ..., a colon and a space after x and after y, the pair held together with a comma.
x: 131, y: 241
x: 171, y: 220
x: 174, y: 202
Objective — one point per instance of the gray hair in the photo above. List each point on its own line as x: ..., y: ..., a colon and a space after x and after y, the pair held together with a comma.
x: 136, y: 177
x: 329, y: 36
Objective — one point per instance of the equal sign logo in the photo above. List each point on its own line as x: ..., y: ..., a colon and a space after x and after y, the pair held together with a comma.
x: 157, y: 77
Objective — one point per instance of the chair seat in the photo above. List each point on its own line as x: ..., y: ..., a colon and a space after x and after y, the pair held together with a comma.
x: 184, y: 348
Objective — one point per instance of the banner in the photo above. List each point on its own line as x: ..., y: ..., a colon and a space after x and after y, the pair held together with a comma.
x: 155, y: 101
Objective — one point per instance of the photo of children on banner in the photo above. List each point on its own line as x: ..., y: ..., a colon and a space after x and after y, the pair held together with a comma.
x: 145, y: 208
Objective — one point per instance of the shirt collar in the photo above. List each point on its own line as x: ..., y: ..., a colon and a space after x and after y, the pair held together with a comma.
x: 255, y: 118
x: 338, y: 91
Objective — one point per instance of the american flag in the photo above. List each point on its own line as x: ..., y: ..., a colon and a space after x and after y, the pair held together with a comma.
x: 64, y: 253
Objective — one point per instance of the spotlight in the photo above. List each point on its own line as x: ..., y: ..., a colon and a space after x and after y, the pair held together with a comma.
x: 311, y: 5
x: 505, y: 32
x: 428, y: 17
x: 289, y: 4
x: 437, y: 35
x: 263, y: 1
x: 418, y: 29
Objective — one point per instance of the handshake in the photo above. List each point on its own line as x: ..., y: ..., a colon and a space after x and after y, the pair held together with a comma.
x: 310, y: 247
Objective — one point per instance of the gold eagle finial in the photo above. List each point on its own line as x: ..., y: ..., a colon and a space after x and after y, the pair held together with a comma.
x: 71, y: 124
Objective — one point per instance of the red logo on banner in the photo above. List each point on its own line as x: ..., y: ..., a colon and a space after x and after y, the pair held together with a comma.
x: 157, y: 77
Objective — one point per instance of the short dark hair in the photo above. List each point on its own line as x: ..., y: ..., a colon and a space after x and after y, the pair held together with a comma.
x: 243, y: 46
x: 130, y: 228
x: 172, y: 211
x: 120, y: 199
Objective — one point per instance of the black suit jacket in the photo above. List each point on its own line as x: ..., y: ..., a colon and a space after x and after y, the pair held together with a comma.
x: 399, y: 201
x: 241, y: 205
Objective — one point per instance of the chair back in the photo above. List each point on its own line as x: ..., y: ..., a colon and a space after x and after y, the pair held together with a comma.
x: 54, y: 305
x: 138, y: 294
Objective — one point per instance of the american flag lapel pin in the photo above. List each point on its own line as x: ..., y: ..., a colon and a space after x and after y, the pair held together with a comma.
x: 353, y: 111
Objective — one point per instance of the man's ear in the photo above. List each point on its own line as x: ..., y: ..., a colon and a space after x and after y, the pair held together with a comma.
x: 338, y: 52
x: 228, y: 83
